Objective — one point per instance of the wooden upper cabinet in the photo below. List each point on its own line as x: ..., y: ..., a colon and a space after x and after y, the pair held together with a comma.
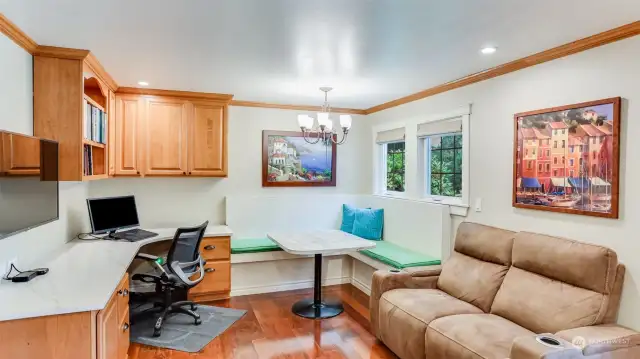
x: 208, y: 139
x: 20, y: 155
x: 129, y: 115
x: 111, y: 134
x: 165, y: 137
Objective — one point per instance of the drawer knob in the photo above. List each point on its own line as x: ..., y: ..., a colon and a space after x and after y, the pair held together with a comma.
x: 123, y: 292
x: 210, y: 247
x: 210, y: 270
x: 125, y: 327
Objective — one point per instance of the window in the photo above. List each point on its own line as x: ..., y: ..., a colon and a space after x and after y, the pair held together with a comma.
x: 572, y: 148
x: 562, y: 143
x: 526, y: 152
x: 395, y: 166
x: 555, y: 173
x: 594, y: 140
x: 580, y: 161
x: 555, y: 144
x: 594, y: 155
x: 555, y: 132
x: 534, y: 151
x: 601, y: 139
x: 571, y: 162
x: 540, y: 167
x: 555, y: 160
x: 548, y: 167
x: 444, y: 167
x: 529, y: 165
x: 562, y: 159
x: 571, y: 173
x: 548, y: 153
x: 563, y: 131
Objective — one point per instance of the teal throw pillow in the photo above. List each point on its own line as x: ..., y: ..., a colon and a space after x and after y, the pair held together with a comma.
x: 368, y: 223
x: 348, y: 216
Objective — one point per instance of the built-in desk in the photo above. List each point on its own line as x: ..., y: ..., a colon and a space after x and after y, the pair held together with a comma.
x: 79, y: 309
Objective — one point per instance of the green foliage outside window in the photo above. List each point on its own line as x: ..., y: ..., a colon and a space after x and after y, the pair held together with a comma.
x: 446, y: 165
x: 395, y: 167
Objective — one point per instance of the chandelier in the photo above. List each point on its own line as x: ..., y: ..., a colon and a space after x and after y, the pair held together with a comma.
x: 324, y: 132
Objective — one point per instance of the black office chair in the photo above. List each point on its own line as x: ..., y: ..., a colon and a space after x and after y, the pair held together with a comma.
x: 171, y: 286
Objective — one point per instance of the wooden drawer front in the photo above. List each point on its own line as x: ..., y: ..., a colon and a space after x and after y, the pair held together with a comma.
x: 122, y: 295
x: 215, y: 248
x: 217, y: 278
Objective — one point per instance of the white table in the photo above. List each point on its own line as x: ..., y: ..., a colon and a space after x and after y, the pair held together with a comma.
x: 319, y: 243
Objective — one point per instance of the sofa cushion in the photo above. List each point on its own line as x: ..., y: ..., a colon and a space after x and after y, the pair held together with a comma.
x: 545, y: 305
x: 580, y: 264
x: 399, y: 257
x: 406, y: 314
x: 472, y: 336
x: 253, y: 245
x: 471, y: 279
x: 486, y: 243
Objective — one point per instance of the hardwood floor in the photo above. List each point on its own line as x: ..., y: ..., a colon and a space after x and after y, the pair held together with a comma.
x: 269, y: 330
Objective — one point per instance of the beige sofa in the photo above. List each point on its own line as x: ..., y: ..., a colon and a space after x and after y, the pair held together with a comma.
x: 498, y: 293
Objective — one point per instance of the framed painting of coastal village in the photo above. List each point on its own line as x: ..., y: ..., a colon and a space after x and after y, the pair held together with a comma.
x: 566, y: 159
x: 289, y: 160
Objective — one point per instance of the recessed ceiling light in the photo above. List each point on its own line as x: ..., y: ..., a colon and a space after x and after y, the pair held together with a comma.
x: 143, y: 83
x: 489, y: 50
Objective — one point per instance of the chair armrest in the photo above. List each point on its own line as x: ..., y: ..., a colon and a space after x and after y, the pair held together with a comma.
x: 146, y: 256
x: 426, y: 271
x: 528, y: 347
x: 600, y: 339
x: 384, y: 281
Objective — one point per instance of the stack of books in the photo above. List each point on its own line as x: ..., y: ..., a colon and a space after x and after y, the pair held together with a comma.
x: 95, y: 123
x: 88, y: 160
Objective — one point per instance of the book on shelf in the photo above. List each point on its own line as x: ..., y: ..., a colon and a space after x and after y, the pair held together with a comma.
x: 94, y: 124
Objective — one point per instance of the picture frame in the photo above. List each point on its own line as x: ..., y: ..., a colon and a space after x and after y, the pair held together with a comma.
x: 566, y: 159
x: 289, y: 161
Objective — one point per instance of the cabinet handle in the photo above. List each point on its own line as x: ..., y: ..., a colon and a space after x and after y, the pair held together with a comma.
x: 184, y: 173
x: 125, y: 327
x: 210, y: 270
x: 138, y: 172
x: 123, y: 292
x: 210, y: 247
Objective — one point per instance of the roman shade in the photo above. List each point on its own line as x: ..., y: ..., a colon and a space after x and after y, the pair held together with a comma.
x: 394, y: 135
x: 440, y: 127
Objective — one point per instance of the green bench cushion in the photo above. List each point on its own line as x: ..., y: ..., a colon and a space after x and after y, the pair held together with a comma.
x: 253, y: 245
x: 399, y: 257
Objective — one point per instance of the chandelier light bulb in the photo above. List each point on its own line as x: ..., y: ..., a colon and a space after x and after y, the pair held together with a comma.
x: 323, y: 118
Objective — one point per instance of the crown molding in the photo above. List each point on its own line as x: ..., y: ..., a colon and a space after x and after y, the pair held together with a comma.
x: 16, y: 35
x: 571, y: 48
x: 295, y: 107
x: 175, y: 93
x: 94, y: 65
x: 61, y: 52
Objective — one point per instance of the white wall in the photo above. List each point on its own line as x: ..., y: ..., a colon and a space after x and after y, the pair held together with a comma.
x: 16, y: 115
x: 609, y: 71
x: 181, y: 201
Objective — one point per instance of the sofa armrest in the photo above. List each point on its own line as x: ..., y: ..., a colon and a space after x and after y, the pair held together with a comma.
x: 600, y: 339
x: 385, y: 280
x: 427, y: 271
x: 529, y: 347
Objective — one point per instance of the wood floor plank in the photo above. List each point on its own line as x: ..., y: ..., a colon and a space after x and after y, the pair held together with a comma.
x: 270, y: 330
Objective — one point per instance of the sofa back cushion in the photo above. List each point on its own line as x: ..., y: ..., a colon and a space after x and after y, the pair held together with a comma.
x: 477, y: 267
x: 580, y: 264
x: 556, y: 284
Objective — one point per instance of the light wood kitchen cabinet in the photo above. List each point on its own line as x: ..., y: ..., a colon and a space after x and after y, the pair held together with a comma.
x: 164, y: 137
x: 208, y: 139
x: 129, y: 115
x: 20, y: 155
x: 168, y: 133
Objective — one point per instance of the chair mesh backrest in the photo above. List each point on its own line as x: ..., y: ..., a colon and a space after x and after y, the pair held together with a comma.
x: 186, y: 245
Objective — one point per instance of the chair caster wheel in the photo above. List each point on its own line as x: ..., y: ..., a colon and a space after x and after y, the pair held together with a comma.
x: 156, y: 333
x: 198, y: 321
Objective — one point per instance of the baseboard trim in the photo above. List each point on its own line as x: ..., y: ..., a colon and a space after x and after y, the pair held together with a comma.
x: 360, y: 285
x: 287, y: 286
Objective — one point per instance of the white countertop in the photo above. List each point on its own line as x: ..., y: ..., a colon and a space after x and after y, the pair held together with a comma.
x: 82, y: 277
x: 320, y: 242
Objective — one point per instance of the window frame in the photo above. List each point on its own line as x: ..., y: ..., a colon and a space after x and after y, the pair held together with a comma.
x: 426, y: 145
x: 383, y: 167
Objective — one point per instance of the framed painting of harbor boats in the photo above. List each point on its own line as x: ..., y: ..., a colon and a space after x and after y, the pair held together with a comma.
x: 288, y: 160
x: 566, y: 159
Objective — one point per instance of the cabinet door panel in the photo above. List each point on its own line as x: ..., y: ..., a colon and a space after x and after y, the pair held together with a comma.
x: 208, y: 140
x: 129, y: 115
x: 217, y: 278
x: 21, y: 155
x: 109, y: 331
x: 111, y: 133
x: 165, y: 137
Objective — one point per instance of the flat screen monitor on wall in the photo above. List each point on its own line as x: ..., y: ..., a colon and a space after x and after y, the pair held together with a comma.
x: 28, y: 183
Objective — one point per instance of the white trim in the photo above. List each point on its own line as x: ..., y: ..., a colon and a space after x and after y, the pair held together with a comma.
x: 264, y: 257
x: 363, y: 287
x: 287, y: 286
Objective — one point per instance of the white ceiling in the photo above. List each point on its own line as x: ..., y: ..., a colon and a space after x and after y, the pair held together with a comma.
x: 281, y: 51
